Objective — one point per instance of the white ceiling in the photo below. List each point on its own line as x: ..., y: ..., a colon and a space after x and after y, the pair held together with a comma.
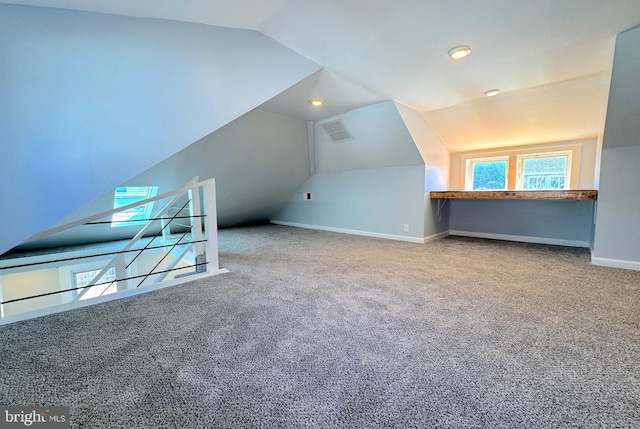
x: 551, y: 58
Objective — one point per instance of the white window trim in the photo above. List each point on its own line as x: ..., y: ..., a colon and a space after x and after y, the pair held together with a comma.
x: 120, y: 219
x: 512, y: 154
x: 522, y: 157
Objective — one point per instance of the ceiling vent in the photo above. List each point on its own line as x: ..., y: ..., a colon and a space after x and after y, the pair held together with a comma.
x: 337, y: 131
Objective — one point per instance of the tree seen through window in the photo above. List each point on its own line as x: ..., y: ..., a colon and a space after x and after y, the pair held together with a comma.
x: 489, y: 175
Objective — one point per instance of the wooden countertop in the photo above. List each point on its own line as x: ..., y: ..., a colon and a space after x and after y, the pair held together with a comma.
x: 517, y: 195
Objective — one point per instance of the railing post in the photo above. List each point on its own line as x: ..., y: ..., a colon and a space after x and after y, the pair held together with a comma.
x: 211, y: 225
x: 1, y: 300
x: 196, y: 222
x: 121, y: 273
x: 203, y: 211
x: 165, y: 231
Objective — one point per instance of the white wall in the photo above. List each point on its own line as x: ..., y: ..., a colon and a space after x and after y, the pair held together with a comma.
x: 434, y: 153
x: 157, y: 262
x: 20, y: 285
x: 569, y: 109
x: 90, y: 100
x: 617, y: 233
x: 373, y: 184
x: 381, y: 139
x: 259, y: 160
x: 437, y: 161
x: 376, y: 202
x: 587, y: 160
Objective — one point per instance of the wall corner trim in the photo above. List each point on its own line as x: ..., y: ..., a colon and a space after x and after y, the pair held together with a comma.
x: 434, y: 237
x: 352, y: 232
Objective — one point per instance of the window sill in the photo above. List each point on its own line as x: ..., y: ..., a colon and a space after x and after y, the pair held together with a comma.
x: 517, y: 195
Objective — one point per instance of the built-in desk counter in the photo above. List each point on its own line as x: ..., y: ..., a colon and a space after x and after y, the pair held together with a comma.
x: 516, y: 195
x: 549, y: 217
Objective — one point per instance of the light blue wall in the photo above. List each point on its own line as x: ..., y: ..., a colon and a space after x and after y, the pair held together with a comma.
x: 617, y: 233
x: 258, y: 161
x: 91, y: 100
x: 373, y: 184
x: 437, y: 161
x: 551, y: 222
x: 618, y: 222
x: 374, y: 201
x: 381, y: 139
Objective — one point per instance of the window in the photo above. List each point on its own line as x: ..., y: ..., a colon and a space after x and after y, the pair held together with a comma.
x: 83, y: 278
x: 131, y: 194
x: 487, y: 173
x: 544, y: 171
x: 528, y: 168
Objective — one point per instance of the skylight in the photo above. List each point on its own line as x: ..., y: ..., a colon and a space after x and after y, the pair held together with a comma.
x: 124, y: 196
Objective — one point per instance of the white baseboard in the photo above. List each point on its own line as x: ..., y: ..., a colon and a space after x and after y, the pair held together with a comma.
x: 615, y: 263
x: 435, y: 236
x: 363, y: 233
x: 521, y: 238
x: 605, y: 262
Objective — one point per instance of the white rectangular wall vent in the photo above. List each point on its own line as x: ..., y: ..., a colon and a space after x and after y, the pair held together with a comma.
x: 337, y: 131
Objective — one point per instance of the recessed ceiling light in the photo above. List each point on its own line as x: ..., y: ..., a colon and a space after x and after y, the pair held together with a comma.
x: 316, y: 102
x: 492, y: 92
x: 459, y: 52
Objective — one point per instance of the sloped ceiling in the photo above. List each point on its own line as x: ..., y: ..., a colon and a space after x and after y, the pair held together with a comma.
x: 533, y: 51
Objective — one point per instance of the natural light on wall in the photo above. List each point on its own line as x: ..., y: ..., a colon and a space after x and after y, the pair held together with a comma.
x: 128, y: 195
x: 519, y: 171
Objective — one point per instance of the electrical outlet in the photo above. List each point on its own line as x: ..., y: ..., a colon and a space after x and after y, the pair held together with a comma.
x: 307, y: 195
x: 406, y: 227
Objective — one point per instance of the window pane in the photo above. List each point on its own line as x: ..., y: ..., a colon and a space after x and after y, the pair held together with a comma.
x: 489, y: 175
x: 102, y: 287
x: 128, y: 195
x: 544, y: 173
x: 84, y: 278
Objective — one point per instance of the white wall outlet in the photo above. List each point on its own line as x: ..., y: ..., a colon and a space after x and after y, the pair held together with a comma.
x: 306, y: 196
x: 406, y: 227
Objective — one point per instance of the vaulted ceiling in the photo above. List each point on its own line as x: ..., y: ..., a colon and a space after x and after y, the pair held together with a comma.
x: 551, y: 58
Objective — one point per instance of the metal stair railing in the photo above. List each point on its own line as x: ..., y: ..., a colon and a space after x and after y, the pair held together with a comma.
x: 199, y: 238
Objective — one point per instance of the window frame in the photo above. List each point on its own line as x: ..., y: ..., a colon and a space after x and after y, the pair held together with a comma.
x: 521, y: 158
x: 572, y: 177
x: 120, y: 219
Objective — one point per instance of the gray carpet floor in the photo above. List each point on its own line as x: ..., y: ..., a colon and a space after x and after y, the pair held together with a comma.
x: 313, y: 329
